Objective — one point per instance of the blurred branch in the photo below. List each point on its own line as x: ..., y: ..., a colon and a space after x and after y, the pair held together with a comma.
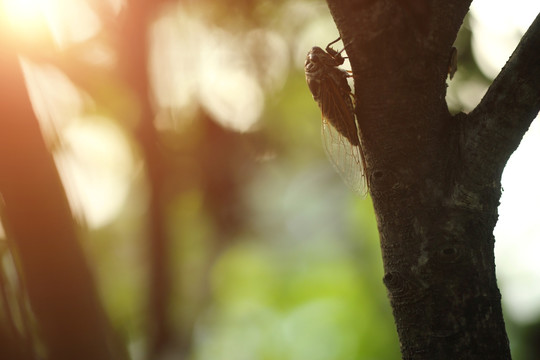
x: 127, y: 33
x: 60, y: 286
x: 511, y: 103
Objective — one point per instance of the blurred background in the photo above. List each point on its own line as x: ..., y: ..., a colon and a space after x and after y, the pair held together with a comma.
x: 189, y: 147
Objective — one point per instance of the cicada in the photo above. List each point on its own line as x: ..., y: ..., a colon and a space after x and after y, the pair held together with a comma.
x: 330, y: 89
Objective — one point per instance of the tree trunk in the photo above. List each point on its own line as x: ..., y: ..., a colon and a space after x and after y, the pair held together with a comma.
x: 435, y: 178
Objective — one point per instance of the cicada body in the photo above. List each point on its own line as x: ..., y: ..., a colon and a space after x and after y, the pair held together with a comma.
x: 330, y: 89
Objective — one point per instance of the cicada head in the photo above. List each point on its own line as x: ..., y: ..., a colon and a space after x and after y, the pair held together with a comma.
x: 317, y: 66
x: 314, y: 61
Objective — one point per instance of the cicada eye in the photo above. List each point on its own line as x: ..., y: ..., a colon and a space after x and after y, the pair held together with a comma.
x: 309, y: 65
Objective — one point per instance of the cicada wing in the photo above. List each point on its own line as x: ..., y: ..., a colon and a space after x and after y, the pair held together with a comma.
x: 347, y: 158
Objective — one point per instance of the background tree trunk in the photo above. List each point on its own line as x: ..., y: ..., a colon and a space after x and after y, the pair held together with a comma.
x: 435, y: 178
x: 133, y: 53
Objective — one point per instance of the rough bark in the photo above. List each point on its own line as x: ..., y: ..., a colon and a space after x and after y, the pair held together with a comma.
x: 435, y: 178
x: 38, y: 220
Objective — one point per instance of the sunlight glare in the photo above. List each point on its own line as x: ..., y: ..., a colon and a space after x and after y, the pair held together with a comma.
x: 67, y: 21
x: 23, y: 20
x: 26, y: 11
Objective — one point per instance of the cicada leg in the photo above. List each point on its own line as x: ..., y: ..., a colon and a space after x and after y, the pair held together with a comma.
x: 334, y: 52
x: 332, y: 43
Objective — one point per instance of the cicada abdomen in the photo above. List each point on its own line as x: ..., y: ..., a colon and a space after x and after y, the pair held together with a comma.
x: 330, y: 89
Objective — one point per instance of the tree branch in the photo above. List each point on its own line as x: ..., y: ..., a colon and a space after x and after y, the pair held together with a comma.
x: 497, y: 125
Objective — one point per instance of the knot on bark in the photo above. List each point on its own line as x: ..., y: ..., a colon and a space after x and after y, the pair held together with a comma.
x: 446, y: 257
x: 384, y: 180
x: 401, y: 288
